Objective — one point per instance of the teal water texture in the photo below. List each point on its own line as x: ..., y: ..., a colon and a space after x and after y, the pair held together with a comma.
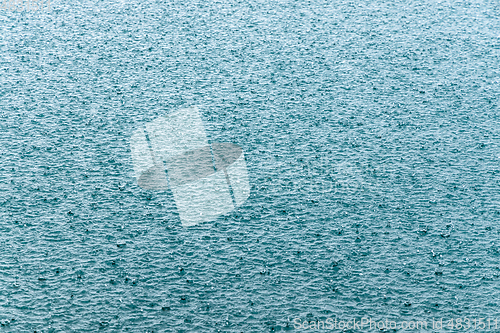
x: 371, y: 136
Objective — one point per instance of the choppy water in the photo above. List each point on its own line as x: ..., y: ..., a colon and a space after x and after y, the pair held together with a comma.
x: 371, y: 132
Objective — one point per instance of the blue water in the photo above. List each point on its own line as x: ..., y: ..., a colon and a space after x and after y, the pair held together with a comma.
x: 371, y: 134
